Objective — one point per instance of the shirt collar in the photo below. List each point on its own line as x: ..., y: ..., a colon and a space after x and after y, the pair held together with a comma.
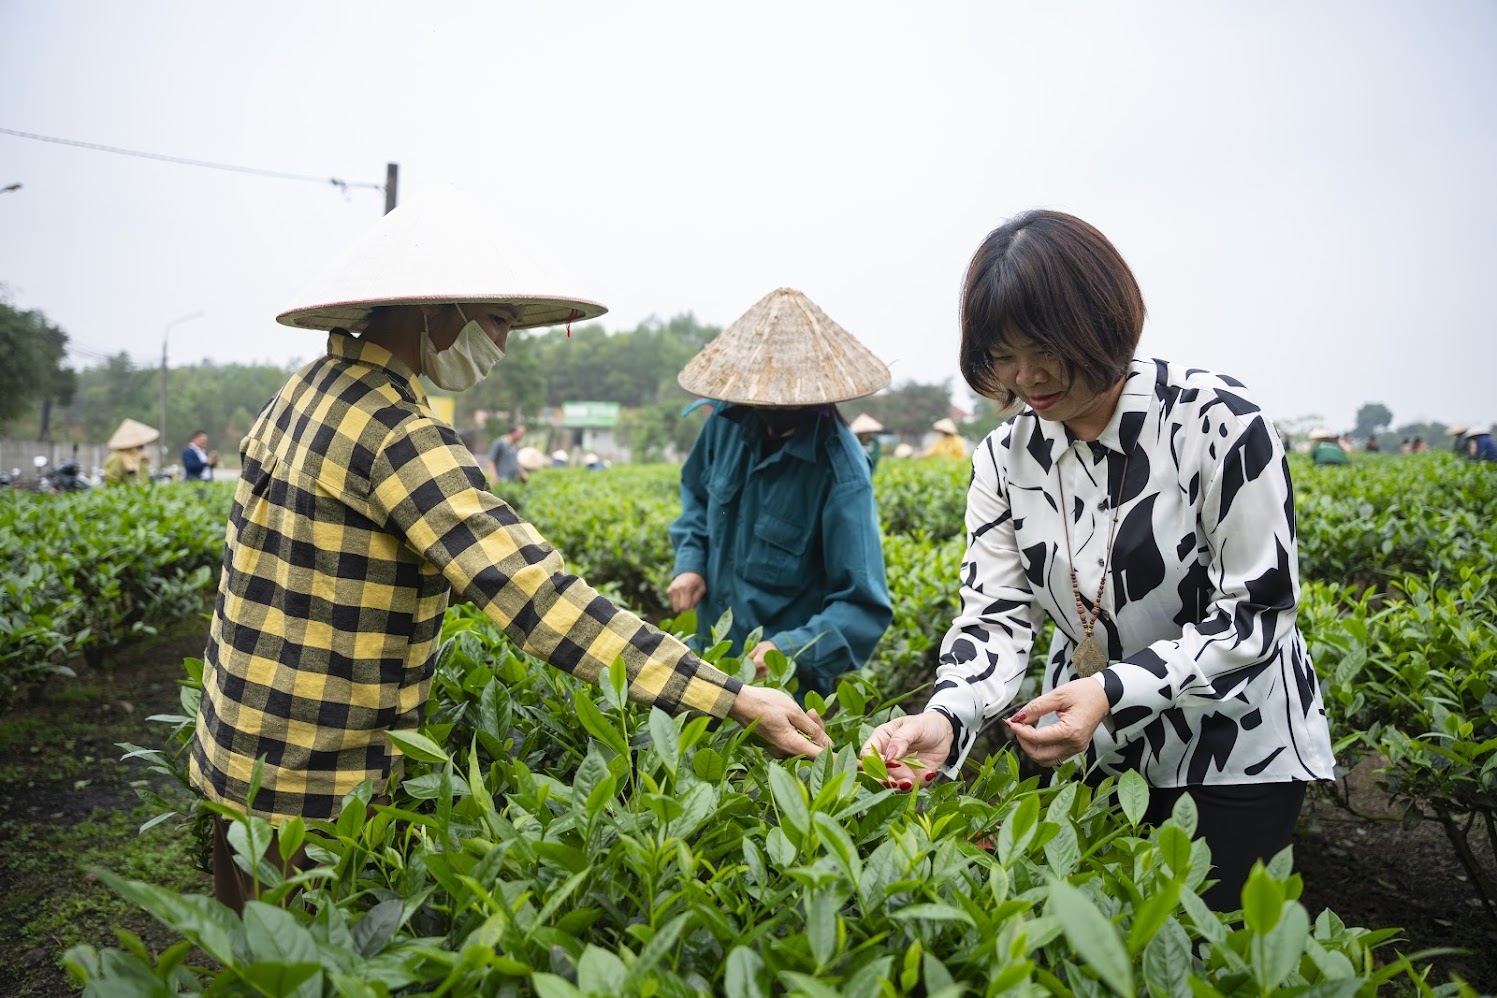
x: 1122, y: 430
x: 345, y: 346
x: 802, y: 444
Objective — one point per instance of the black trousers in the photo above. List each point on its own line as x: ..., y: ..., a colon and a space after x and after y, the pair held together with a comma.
x: 1241, y: 823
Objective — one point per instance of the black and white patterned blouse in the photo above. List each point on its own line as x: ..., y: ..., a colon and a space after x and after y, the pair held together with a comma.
x: 1208, y: 676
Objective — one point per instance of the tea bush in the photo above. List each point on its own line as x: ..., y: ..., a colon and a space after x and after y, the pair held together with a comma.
x: 549, y: 838
x: 1414, y: 678
x: 81, y: 572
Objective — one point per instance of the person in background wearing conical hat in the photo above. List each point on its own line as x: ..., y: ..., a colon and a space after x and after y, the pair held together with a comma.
x: 128, y: 463
x: 359, y: 511
x: 778, y: 523
x: 1479, y: 445
x: 1325, y: 449
x: 949, y: 444
x: 867, y: 429
x: 1457, y: 434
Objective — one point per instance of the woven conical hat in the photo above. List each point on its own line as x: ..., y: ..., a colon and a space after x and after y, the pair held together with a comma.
x: 784, y: 352
x: 944, y: 425
x: 1456, y: 430
x: 441, y: 247
x: 865, y: 424
x: 1321, y: 433
x: 132, y: 434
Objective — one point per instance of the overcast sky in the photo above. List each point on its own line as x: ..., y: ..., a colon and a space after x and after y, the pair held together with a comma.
x: 1306, y: 191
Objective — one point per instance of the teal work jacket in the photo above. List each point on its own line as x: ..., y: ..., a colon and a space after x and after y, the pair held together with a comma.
x: 789, y: 540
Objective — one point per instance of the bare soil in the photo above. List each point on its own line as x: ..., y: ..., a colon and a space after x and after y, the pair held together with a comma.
x: 1358, y: 859
x: 67, y: 803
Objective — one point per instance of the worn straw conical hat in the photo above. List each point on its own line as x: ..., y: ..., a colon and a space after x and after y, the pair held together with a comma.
x: 944, y: 425
x: 132, y: 434
x: 441, y: 247
x: 784, y: 352
x: 1321, y: 433
x: 530, y: 459
x: 1456, y: 430
x: 865, y: 424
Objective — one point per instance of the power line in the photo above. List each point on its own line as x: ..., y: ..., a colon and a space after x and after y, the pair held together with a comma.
x: 342, y: 185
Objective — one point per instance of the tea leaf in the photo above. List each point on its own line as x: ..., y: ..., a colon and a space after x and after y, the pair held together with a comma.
x: 418, y: 746
x: 1092, y: 937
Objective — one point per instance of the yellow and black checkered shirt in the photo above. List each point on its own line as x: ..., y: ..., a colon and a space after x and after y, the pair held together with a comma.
x: 357, y: 511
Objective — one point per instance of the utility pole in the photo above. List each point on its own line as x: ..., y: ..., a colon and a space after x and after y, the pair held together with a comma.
x: 392, y: 179
x: 175, y: 322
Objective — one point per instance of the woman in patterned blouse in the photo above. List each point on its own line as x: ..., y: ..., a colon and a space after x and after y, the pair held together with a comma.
x: 1146, y: 508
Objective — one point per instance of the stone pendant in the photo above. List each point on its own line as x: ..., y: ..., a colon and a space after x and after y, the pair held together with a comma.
x: 1089, y: 657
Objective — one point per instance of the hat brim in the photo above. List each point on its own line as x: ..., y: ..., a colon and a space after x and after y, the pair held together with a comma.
x: 536, y: 311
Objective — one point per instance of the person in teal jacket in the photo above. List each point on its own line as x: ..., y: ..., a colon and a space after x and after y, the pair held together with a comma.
x: 778, y: 522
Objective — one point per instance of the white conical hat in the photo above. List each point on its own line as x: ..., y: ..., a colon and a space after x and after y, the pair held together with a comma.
x: 1321, y: 433
x: 784, y: 352
x: 133, y: 434
x: 1456, y: 430
x: 865, y: 424
x: 944, y: 425
x: 530, y: 458
x: 443, y: 246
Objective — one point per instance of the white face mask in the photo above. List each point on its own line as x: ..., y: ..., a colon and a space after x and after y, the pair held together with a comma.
x: 465, y: 363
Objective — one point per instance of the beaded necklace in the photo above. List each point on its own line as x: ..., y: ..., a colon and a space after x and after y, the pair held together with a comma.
x: 1089, y: 656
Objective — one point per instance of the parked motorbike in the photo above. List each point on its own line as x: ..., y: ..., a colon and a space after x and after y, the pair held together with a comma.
x: 65, y: 476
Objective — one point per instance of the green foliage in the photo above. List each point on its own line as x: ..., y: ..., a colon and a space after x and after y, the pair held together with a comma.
x: 907, y: 409
x: 1372, y: 418
x: 81, y: 572
x: 35, y: 370
x: 550, y: 838
x: 1413, y: 676
x: 1386, y: 516
x: 923, y: 498
x: 221, y: 399
x: 610, y: 526
x: 636, y: 368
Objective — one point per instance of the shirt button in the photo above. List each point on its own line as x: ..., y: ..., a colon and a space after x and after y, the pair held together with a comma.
x: 1103, y: 504
x: 1100, y: 562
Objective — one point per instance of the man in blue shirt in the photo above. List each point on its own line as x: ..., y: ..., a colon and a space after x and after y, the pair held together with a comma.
x: 197, y: 461
x: 778, y: 523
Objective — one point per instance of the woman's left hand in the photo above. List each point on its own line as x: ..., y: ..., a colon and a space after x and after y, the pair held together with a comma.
x: 1080, y: 706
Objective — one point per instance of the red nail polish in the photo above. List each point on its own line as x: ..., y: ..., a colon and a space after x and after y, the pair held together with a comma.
x: 906, y: 785
x: 930, y: 776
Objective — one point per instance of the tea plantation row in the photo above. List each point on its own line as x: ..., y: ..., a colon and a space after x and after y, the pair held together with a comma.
x: 550, y: 839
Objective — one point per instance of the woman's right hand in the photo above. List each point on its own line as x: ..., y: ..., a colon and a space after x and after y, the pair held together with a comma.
x: 912, y: 747
x: 686, y: 591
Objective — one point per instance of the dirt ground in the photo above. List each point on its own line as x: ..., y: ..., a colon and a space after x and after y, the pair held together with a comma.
x: 67, y: 802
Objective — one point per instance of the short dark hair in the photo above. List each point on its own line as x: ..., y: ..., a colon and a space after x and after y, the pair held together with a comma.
x: 1058, y: 281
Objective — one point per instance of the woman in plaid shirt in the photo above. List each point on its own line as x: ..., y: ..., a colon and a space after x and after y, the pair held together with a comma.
x: 359, y: 511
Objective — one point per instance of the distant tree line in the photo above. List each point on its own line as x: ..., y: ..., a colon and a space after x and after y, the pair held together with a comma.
x: 636, y: 368
x: 34, y: 375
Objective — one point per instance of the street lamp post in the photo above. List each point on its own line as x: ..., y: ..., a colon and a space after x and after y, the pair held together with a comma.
x: 175, y: 322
